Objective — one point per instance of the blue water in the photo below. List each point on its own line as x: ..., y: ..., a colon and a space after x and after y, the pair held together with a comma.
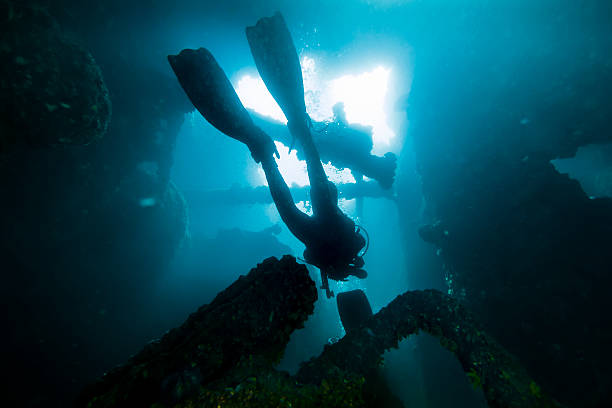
x: 498, y: 115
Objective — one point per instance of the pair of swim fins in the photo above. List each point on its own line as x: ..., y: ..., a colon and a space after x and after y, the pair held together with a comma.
x: 212, y: 94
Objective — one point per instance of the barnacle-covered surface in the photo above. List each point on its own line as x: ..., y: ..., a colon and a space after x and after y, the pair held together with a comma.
x: 257, y: 386
x: 89, y: 216
x: 523, y: 246
x: 52, y: 92
x: 252, y: 318
x: 223, y: 355
x: 504, y: 382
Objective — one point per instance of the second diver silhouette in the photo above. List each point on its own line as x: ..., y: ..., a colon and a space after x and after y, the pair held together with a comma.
x: 333, y: 242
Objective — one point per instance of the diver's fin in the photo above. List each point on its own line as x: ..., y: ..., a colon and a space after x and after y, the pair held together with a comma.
x: 278, y: 64
x: 354, y: 308
x: 211, y: 92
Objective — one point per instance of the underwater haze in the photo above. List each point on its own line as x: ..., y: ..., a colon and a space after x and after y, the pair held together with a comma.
x: 151, y: 256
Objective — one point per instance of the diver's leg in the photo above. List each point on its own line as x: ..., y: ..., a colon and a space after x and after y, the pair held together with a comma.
x: 323, y: 203
x: 298, y: 223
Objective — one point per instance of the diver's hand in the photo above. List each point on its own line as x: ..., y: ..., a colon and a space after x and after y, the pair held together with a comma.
x: 262, y: 146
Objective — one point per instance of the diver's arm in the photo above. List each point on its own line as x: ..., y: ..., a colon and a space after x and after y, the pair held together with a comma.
x: 298, y: 223
x: 322, y: 202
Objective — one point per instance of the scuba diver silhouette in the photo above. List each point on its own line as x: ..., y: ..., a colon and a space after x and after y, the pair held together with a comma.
x: 333, y: 242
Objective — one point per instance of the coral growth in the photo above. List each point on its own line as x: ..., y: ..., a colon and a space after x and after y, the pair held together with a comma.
x: 52, y: 91
x: 223, y: 355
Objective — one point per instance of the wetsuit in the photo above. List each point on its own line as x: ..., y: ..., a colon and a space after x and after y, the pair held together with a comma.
x: 332, y: 243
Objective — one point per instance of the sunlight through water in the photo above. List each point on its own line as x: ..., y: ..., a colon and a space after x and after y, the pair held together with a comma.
x: 363, y: 96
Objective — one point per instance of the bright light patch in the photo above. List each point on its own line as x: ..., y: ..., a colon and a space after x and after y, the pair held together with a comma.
x: 295, y: 172
x: 347, y: 206
x: 364, y: 98
x: 292, y: 168
x: 147, y: 202
x: 304, y: 206
x: 338, y: 176
x: 254, y: 95
x: 317, y: 103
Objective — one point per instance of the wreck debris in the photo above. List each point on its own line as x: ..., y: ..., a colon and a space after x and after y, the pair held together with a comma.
x: 52, y: 92
x: 504, y: 382
x: 343, y: 145
x: 237, y: 195
x: 224, y: 353
x: 252, y: 318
